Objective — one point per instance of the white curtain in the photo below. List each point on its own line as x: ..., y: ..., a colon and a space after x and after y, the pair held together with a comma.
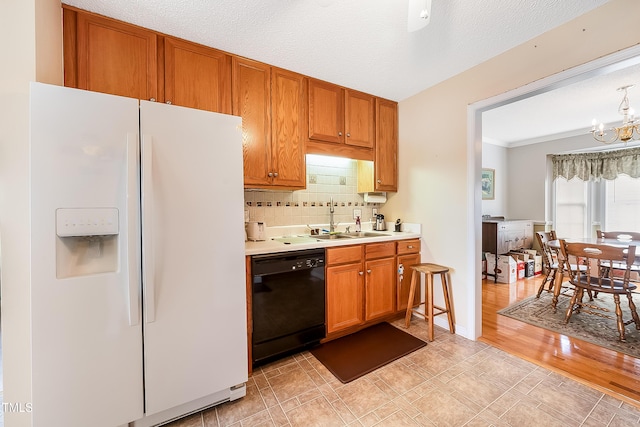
x: 597, y: 165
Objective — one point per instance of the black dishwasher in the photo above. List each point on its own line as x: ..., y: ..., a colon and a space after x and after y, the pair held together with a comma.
x: 288, y: 303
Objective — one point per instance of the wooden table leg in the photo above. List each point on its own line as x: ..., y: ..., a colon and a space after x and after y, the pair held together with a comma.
x: 557, y: 285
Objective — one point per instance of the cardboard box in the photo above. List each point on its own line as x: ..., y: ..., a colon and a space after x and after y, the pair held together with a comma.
x: 519, y: 255
x: 537, y: 265
x: 521, y: 269
x: 529, y: 268
x: 506, y: 270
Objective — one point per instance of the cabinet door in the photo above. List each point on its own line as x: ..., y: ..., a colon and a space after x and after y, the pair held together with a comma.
x: 404, y: 281
x: 197, y: 76
x: 251, y: 99
x: 386, y: 157
x: 326, y: 112
x: 116, y: 58
x: 359, y: 119
x: 345, y: 296
x: 288, y: 127
x: 380, y: 289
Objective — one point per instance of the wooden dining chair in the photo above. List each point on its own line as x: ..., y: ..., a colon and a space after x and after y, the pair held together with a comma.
x: 622, y: 236
x: 549, y: 260
x: 600, y: 280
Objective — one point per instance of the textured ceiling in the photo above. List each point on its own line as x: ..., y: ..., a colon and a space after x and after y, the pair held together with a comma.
x: 361, y: 44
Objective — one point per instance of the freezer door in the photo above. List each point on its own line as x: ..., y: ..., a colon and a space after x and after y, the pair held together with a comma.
x: 195, y: 335
x: 86, y: 325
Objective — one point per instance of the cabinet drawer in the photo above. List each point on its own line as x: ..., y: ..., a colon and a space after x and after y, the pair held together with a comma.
x: 344, y: 254
x: 380, y: 250
x: 408, y: 246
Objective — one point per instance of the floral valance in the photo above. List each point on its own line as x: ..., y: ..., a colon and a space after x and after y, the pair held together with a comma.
x: 597, y: 165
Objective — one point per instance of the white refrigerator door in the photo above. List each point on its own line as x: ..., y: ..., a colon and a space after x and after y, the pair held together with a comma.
x: 86, y: 327
x: 195, y: 336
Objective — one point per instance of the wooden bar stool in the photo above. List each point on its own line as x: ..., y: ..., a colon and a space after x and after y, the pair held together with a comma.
x: 429, y: 271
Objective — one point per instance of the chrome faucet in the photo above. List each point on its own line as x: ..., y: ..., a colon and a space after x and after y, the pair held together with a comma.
x: 332, y: 225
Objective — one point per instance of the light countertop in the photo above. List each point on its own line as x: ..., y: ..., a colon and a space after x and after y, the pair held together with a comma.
x: 411, y: 231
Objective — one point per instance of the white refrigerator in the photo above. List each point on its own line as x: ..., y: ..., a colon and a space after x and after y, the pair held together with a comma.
x: 137, y: 251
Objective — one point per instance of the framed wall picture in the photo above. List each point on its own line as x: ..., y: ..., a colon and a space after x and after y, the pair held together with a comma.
x: 488, y: 184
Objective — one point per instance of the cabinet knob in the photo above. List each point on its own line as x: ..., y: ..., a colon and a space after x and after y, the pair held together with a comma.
x: 339, y: 133
x: 360, y: 273
x: 368, y: 271
x: 410, y: 246
x: 169, y: 102
x: 270, y: 175
x: 275, y: 174
x: 379, y: 181
x: 152, y: 99
x: 348, y: 134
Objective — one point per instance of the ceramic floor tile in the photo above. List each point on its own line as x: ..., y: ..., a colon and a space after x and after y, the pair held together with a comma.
x: 240, y: 409
x: 525, y: 414
x: 443, y: 410
x: 400, y: 377
x: 397, y: 419
x: 315, y: 413
x: 291, y: 383
x: 361, y: 396
x: 450, y: 382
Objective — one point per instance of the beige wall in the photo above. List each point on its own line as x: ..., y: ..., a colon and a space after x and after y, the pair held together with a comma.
x: 32, y: 51
x: 439, y: 165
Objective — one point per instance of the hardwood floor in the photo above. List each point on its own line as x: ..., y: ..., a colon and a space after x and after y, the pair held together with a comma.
x: 609, y: 371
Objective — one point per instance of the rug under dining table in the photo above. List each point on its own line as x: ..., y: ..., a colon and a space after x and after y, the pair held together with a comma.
x: 588, y: 327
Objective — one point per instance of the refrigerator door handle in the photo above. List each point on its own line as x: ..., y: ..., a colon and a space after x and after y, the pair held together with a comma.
x: 132, y: 227
x: 148, y: 268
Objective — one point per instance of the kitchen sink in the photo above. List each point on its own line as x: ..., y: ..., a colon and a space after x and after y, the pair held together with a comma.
x: 365, y: 234
x: 352, y: 235
x: 333, y: 236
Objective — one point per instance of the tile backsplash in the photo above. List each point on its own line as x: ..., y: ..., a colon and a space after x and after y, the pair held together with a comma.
x: 326, y: 177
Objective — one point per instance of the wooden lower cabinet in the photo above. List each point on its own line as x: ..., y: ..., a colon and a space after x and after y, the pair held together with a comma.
x: 404, y: 280
x: 380, y: 289
x: 345, y: 296
x: 361, y: 285
x: 408, y: 252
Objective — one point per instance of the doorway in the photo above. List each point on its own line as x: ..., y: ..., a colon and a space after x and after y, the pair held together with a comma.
x: 595, y: 68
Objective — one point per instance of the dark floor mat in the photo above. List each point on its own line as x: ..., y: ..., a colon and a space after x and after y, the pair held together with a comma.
x: 358, y: 354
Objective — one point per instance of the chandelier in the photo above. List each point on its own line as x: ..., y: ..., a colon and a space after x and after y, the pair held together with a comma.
x: 628, y: 131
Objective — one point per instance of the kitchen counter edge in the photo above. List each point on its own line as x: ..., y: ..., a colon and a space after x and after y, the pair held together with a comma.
x: 272, y: 246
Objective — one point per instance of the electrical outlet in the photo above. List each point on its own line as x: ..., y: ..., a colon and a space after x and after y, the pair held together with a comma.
x: 246, y: 215
x: 374, y: 211
x: 343, y: 180
x: 313, y: 179
x: 357, y: 213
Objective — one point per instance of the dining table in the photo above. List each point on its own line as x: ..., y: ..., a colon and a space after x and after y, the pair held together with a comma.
x: 555, y: 244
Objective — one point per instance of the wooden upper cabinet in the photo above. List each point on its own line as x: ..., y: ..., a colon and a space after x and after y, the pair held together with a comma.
x: 271, y: 102
x: 386, y: 152
x: 114, y: 57
x: 359, y: 119
x: 340, y: 115
x: 326, y: 112
x: 251, y: 92
x: 288, y: 128
x: 196, y: 76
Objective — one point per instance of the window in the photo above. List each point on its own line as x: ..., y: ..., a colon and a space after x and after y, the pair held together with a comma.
x: 582, y: 206
x: 622, y: 207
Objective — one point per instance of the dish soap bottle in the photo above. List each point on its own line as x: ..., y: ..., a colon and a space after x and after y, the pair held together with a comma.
x: 358, y: 224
